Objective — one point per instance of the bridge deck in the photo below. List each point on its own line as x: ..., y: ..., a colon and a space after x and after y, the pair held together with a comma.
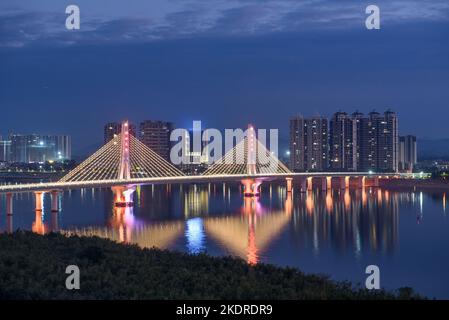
x: 46, y: 186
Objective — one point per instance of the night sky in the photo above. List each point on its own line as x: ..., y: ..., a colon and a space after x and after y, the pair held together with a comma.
x: 224, y: 62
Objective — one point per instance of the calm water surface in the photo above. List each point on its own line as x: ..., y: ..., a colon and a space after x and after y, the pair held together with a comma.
x: 337, y: 233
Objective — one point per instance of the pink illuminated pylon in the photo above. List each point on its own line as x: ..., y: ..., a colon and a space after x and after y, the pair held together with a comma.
x: 252, y: 151
x: 125, y: 171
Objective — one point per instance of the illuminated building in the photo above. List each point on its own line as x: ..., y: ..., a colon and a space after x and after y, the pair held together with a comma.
x: 156, y: 136
x: 309, y: 147
x: 5, y: 150
x: 34, y: 148
x: 377, y: 142
x: 342, y: 142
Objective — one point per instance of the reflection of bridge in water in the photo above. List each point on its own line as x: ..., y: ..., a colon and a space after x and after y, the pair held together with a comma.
x: 346, y: 221
x: 352, y: 221
x: 124, y: 228
x: 252, y: 232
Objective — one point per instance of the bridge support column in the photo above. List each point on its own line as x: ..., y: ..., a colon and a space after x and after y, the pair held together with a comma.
x: 347, y: 179
x: 289, y: 184
x: 39, y: 201
x: 9, y: 204
x: 309, y: 183
x: 329, y: 183
x: 55, y: 201
x: 251, y: 187
x: 123, y: 195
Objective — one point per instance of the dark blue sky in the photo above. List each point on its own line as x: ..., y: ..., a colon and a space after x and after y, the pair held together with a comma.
x: 226, y: 63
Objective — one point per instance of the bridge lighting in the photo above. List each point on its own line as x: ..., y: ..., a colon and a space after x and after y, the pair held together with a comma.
x: 370, y: 172
x: 287, y: 153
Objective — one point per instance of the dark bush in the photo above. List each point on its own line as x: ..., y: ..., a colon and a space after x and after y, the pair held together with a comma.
x: 33, y: 267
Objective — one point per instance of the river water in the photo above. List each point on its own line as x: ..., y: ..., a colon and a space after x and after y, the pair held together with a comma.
x: 339, y: 233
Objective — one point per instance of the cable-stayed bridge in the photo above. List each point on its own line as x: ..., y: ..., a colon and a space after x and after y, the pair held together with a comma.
x: 125, y: 162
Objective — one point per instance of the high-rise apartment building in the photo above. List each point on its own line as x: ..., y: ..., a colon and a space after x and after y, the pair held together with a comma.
x: 156, y: 136
x: 357, y: 120
x: 39, y: 148
x: 379, y: 142
x: 297, y: 144
x: 388, y: 142
x: 408, y: 154
x: 368, y: 142
x: 342, y: 142
x: 353, y: 143
x: 309, y: 146
x: 5, y: 150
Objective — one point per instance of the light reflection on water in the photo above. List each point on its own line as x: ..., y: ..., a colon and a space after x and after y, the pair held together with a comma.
x: 337, y: 232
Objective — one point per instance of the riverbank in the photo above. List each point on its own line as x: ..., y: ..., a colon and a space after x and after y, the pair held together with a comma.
x: 33, y: 267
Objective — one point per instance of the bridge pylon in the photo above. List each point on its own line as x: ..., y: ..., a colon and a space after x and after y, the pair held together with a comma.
x: 123, y: 195
x: 125, y: 171
x: 249, y: 157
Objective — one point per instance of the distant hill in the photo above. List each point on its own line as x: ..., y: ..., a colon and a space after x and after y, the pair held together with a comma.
x: 433, y: 148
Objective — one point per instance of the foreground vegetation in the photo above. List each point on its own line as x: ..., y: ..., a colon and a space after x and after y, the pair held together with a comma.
x: 33, y: 267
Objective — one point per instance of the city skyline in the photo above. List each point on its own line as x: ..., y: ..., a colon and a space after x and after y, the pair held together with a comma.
x: 80, y: 149
x: 341, y: 143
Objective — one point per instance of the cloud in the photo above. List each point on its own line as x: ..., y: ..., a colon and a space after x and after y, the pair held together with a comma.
x: 22, y: 26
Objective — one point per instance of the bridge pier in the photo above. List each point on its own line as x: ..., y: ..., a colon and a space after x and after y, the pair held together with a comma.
x: 289, y: 184
x: 251, y: 187
x: 123, y: 195
x: 329, y: 183
x: 39, y: 201
x: 9, y: 204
